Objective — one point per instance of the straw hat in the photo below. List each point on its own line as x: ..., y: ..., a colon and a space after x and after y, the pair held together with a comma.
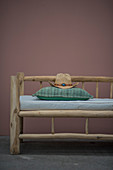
x: 63, y: 81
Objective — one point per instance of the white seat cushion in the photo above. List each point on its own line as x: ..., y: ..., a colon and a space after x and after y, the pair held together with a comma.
x: 28, y: 102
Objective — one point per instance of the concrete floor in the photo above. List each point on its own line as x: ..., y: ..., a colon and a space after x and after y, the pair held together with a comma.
x: 57, y: 155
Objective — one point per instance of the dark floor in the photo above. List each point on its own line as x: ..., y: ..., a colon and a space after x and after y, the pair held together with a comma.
x: 57, y: 155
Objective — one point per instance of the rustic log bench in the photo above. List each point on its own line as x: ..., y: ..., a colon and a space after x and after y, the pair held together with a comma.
x: 16, y: 114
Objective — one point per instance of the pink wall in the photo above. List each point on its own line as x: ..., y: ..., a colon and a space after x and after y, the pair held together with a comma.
x: 45, y: 37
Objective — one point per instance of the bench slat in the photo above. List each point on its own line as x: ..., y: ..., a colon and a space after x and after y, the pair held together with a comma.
x: 68, y: 113
x: 74, y: 78
x: 67, y: 135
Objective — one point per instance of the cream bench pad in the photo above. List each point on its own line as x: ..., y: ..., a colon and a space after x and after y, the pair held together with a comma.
x: 27, y: 102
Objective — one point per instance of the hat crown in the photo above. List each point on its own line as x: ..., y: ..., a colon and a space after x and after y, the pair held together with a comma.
x: 63, y: 78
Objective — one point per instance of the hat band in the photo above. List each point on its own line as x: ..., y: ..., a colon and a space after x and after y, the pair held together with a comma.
x: 63, y: 84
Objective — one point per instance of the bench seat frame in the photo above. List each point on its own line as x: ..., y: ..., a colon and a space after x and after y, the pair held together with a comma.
x: 17, y: 115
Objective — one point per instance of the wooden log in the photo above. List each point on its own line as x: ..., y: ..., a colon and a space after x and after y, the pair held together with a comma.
x: 66, y: 136
x: 52, y: 126
x: 86, y: 126
x: 91, y: 79
x: 74, y: 78
x: 86, y: 123
x: 39, y: 78
x: 20, y: 77
x: 111, y: 90
x: 96, y: 89
x: 83, y: 85
x: 68, y: 113
x: 14, y: 118
x: 40, y: 84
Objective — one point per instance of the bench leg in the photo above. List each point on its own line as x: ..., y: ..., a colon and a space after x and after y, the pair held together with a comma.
x: 21, y: 128
x: 14, y: 134
x: 15, y: 120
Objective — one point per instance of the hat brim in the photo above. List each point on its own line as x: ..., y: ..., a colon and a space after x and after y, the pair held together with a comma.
x: 63, y: 87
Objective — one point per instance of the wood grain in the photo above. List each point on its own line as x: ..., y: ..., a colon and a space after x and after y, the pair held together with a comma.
x: 14, y: 118
x: 20, y: 77
x: 40, y: 84
x: 66, y: 136
x: 96, y: 89
x: 83, y: 85
x: 86, y: 126
x: 74, y: 78
x: 111, y: 90
x: 68, y: 113
x: 52, y: 125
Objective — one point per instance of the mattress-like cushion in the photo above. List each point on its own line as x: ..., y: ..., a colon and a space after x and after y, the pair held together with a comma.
x: 28, y: 102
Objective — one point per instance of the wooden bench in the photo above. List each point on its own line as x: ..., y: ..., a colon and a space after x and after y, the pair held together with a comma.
x: 16, y: 115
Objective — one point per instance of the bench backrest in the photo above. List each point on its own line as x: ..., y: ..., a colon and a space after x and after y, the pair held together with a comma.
x: 82, y: 79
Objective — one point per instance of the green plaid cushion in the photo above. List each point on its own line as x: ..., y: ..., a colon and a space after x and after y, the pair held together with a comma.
x: 54, y: 93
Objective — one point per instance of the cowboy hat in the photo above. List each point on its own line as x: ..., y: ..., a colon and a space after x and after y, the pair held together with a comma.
x: 63, y: 81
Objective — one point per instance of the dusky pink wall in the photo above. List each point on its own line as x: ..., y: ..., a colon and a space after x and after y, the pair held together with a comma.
x: 45, y: 37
